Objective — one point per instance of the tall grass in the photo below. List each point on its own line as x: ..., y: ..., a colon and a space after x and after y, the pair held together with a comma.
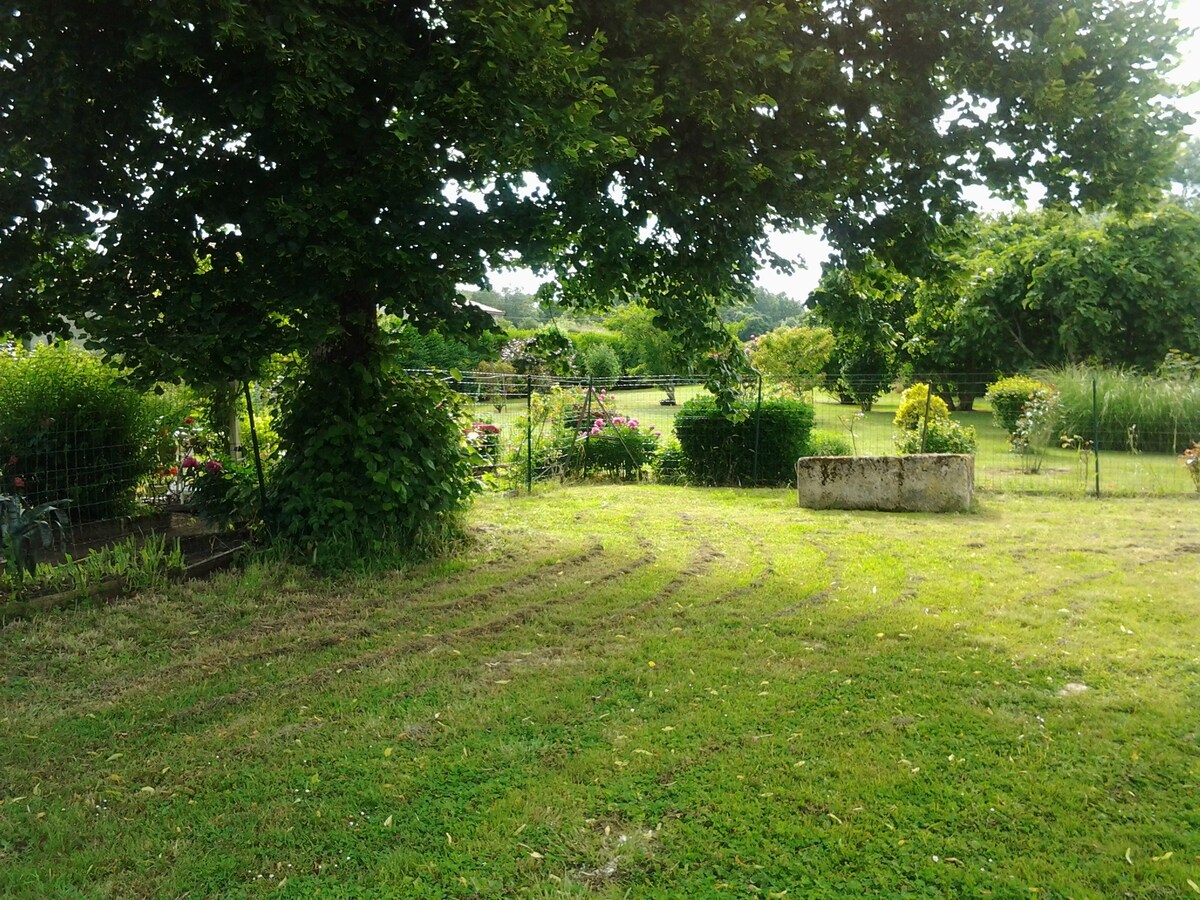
x: 1134, y: 411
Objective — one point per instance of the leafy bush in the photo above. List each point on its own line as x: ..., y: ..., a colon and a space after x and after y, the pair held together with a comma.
x: 601, y: 365
x: 669, y: 464
x: 942, y: 436
x: 720, y: 450
x: 913, y: 408
x: 1164, y: 412
x: 484, y: 439
x: 1035, y: 429
x: 1009, y: 395
x: 539, y: 434
x: 70, y: 429
x: 829, y: 443
x: 225, y: 491
x: 371, y: 462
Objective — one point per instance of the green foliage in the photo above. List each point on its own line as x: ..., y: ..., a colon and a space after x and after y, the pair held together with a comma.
x: 371, y: 460
x: 542, y: 432
x: 1036, y: 428
x: 1008, y: 397
x: 669, y: 465
x: 942, y: 436
x: 795, y: 356
x: 614, y: 445
x: 225, y: 491
x: 70, y: 428
x: 765, y: 312
x: 829, y: 443
x: 414, y: 349
x: 212, y: 186
x: 859, y: 373
x: 601, y: 365
x: 913, y: 408
x: 548, y: 352
x: 1164, y: 413
x: 720, y: 449
x: 25, y: 529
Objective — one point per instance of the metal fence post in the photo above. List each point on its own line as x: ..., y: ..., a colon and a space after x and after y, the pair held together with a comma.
x: 529, y: 433
x: 258, y: 466
x: 757, y: 427
x: 1096, y: 432
x: 587, y: 411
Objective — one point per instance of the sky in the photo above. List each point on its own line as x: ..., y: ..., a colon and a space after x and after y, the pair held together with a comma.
x: 809, y: 251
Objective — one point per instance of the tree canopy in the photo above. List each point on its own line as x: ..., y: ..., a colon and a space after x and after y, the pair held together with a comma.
x: 1033, y: 289
x: 198, y: 185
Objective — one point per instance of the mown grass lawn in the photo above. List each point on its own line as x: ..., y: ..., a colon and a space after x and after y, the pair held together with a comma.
x: 634, y: 691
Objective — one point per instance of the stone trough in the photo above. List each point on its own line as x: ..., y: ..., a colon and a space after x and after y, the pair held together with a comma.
x: 925, y: 482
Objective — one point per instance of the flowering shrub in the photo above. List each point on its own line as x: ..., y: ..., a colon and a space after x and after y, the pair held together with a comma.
x: 616, y: 445
x: 484, y: 439
x: 1008, y: 397
x: 1034, y: 428
x: 1191, y: 458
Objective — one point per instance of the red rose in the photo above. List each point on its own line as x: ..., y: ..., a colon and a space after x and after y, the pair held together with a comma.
x: 19, y: 483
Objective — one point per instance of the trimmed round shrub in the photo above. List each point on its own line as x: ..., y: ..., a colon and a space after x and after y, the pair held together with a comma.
x: 1008, y: 397
x: 829, y: 443
x: 719, y: 450
x: 912, y: 407
x: 943, y: 436
x: 71, y: 429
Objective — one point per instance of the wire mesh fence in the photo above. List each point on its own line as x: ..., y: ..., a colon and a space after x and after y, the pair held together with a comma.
x: 1098, y: 433
x: 1107, y: 434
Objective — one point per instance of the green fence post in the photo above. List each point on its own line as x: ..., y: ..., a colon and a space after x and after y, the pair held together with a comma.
x: 1096, y: 432
x: 757, y: 427
x: 258, y: 466
x: 587, y: 412
x: 529, y: 434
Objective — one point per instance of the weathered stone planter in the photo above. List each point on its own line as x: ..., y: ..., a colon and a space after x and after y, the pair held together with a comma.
x: 927, y: 482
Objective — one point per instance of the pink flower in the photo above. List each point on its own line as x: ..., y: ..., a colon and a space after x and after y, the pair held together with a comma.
x: 19, y: 483
x: 595, y: 431
x: 213, y: 466
x: 189, y: 462
x: 599, y: 423
x: 633, y: 423
x: 618, y: 420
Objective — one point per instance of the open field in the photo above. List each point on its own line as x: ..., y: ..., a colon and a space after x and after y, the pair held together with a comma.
x: 639, y: 691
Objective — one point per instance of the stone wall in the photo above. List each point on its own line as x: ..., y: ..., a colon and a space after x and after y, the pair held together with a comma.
x: 927, y: 482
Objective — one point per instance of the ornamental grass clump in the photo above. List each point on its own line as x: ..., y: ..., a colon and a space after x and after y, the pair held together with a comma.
x: 1162, y: 411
